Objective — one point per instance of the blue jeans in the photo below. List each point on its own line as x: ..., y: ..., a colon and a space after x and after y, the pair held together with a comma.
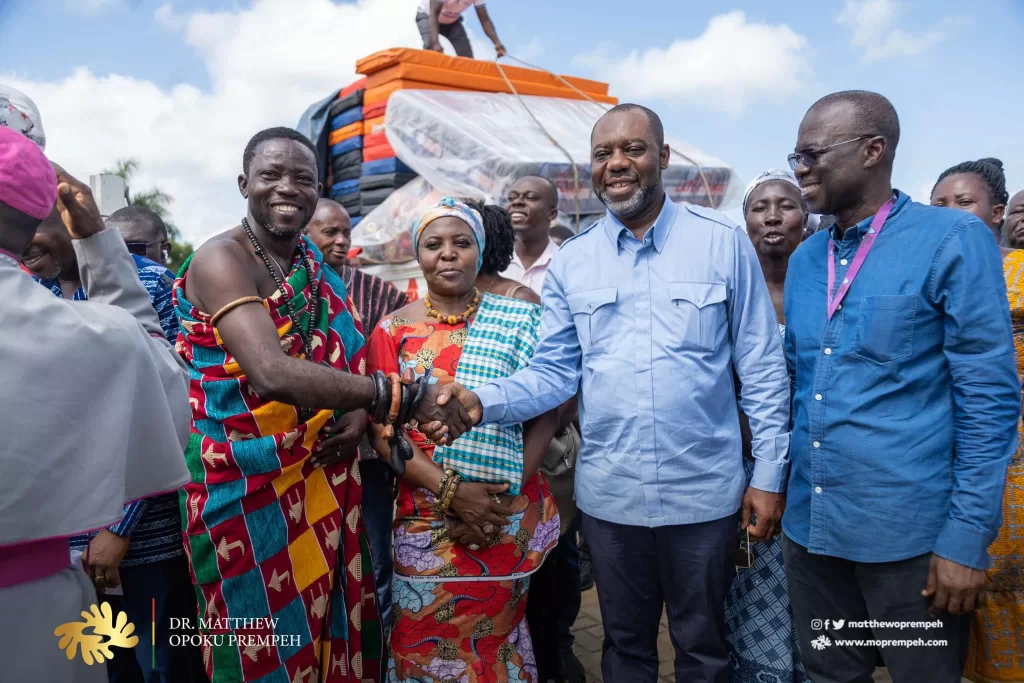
x: 378, y: 516
x: 169, y: 583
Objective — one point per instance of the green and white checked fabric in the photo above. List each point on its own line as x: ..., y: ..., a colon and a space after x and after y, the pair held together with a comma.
x: 500, y: 342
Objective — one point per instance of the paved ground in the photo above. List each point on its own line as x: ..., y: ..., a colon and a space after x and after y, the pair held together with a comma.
x: 589, y: 638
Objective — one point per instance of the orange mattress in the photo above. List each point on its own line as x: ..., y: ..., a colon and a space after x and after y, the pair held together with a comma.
x: 474, y: 82
x: 378, y: 152
x: 375, y: 140
x: 349, y: 131
x: 472, y: 67
x: 375, y: 110
x: 382, y: 93
x: 374, y: 125
x: 359, y: 84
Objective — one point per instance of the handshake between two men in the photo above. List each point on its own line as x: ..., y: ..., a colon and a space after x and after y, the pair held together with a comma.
x: 447, y: 412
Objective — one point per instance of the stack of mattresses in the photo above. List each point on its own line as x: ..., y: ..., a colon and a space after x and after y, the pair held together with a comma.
x: 390, y: 71
x: 346, y: 148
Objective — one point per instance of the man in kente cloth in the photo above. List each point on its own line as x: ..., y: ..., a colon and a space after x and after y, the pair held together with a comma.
x: 272, y: 517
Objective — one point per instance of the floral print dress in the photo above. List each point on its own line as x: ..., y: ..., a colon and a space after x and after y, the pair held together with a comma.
x: 458, y: 613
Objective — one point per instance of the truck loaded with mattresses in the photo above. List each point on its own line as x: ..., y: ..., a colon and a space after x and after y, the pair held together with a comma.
x: 432, y: 125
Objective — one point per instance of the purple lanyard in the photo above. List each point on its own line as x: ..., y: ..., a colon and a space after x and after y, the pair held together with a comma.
x: 877, y: 223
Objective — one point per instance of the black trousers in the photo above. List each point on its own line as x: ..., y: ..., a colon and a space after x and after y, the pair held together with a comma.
x: 169, y: 583
x: 554, y: 604
x: 824, y: 589
x: 454, y: 32
x: 687, y: 568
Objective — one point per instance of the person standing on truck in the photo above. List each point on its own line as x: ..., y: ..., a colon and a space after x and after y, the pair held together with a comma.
x: 444, y: 18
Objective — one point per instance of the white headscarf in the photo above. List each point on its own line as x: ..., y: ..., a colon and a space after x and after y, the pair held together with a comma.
x: 813, y: 219
x: 769, y: 175
x: 18, y: 111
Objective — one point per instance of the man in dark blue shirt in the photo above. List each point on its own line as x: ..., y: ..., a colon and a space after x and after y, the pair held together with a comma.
x: 905, y: 408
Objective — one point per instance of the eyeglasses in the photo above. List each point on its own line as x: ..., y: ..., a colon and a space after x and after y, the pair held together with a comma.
x: 744, y: 554
x: 811, y: 157
x: 140, y: 248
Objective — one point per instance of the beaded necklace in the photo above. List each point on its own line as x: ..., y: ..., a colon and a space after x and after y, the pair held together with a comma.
x: 314, y: 301
x: 452, y: 319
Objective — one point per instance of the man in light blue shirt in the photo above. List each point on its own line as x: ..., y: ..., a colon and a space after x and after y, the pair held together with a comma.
x: 655, y: 312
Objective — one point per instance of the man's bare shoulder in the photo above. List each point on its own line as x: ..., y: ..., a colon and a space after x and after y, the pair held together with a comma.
x: 222, y: 265
x: 224, y: 245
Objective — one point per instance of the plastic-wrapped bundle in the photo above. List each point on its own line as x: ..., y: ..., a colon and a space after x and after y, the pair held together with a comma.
x: 384, y: 233
x: 476, y: 145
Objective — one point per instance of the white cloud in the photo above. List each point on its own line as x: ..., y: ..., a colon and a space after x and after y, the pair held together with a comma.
x: 733, y: 63
x: 266, y: 64
x: 166, y: 17
x: 874, y: 33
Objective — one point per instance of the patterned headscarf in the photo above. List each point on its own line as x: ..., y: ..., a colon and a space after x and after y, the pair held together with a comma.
x: 20, y: 113
x: 767, y: 176
x: 456, y: 209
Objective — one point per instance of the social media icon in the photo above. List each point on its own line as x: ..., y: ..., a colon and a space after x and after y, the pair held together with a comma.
x: 826, y: 624
x: 821, y: 642
x: 815, y: 624
x: 838, y: 624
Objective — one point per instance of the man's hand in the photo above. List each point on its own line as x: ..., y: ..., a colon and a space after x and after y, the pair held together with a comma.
x: 436, y: 47
x: 956, y: 589
x: 500, y: 49
x: 442, y: 420
x: 343, y: 440
x: 77, y: 207
x: 767, y: 508
x: 103, y: 557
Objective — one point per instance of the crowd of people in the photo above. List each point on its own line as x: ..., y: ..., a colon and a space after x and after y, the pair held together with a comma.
x: 799, y: 440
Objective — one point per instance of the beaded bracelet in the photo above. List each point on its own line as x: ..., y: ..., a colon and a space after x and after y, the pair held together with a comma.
x: 441, y: 486
x: 449, y: 493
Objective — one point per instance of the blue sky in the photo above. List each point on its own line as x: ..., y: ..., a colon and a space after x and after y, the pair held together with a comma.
x: 182, y: 85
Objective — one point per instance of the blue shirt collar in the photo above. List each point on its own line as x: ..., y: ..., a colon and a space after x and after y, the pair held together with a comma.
x: 861, y: 228
x: 658, y: 232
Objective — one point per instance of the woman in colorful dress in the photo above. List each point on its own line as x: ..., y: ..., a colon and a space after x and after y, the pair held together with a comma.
x: 474, y: 519
x: 997, y: 636
x: 759, y: 625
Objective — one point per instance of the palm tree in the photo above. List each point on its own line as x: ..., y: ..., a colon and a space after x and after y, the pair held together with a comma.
x: 156, y: 200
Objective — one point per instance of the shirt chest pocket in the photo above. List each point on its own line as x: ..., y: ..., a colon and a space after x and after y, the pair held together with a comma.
x: 696, y: 316
x: 885, y: 328
x: 593, y: 311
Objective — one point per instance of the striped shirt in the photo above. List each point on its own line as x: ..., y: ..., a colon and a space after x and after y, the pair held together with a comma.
x: 374, y: 298
x: 154, y: 524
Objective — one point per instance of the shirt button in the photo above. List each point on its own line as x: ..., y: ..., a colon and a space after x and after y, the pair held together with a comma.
x: 817, y: 489
x: 828, y: 352
x: 816, y: 444
x: 817, y: 397
x: 843, y: 262
x: 839, y: 307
